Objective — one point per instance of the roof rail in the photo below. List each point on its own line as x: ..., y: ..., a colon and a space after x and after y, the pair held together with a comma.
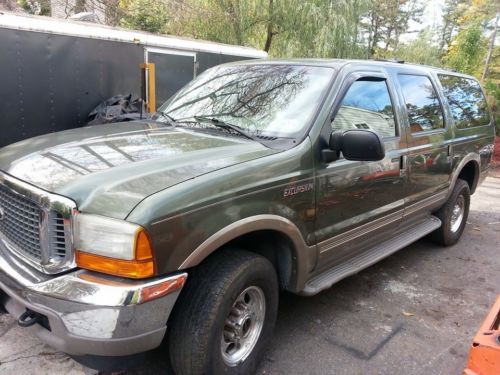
x: 398, y: 61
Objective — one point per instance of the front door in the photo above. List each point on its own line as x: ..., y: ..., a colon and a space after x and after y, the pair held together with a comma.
x: 361, y: 202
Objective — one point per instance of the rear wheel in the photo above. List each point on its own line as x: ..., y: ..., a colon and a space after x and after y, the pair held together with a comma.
x: 453, y: 215
x: 225, y: 315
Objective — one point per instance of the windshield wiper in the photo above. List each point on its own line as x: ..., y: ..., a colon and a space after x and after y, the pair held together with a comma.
x: 225, y: 125
x: 163, y: 117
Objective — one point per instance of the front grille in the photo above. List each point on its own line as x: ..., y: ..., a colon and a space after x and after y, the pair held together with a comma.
x: 58, y: 238
x: 21, y: 223
x: 36, y: 225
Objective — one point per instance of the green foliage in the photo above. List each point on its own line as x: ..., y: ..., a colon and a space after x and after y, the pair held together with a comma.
x: 328, y: 28
x: 292, y: 28
x: 318, y: 28
x: 386, y: 21
x: 493, y: 93
x: 418, y: 51
x: 467, y: 50
x: 147, y: 15
x: 41, y: 7
x: 452, y: 12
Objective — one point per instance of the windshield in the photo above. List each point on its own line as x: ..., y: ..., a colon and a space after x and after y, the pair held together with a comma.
x: 273, y: 100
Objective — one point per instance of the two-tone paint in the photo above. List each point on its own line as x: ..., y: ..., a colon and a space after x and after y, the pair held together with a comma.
x: 196, y: 192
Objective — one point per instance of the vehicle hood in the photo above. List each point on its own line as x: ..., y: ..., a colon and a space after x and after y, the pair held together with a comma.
x: 109, y: 169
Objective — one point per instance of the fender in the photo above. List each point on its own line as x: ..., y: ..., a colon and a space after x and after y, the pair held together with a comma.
x: 477, y: 162
x: 302, y: 253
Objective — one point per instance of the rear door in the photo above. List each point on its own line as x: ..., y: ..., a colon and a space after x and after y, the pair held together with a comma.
x: 428, y: 163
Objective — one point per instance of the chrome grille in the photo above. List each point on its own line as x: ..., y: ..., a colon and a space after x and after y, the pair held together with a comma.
x: 21, y: 222
x: 36, y: 225
x: 57, y: 235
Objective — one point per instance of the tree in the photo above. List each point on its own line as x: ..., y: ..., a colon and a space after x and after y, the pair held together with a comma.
x: 41, y: 7
x: 490, y: 48
x: 452, y: 11
x: 467, y: 50
x: 387, y: 20
x: 147, y: 15
x: 318, y: 28
x: 315, y: 28
x: 420, y: 51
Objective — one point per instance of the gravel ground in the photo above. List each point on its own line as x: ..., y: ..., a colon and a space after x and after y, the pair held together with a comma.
x: 416, y: 312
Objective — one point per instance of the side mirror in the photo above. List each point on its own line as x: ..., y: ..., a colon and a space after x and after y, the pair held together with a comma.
x: 359, y: 145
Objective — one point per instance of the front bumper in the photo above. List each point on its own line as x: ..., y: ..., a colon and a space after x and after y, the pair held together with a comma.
x: 89, y: 313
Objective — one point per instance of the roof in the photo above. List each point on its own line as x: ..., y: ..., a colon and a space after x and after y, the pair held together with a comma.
x: 96, y: 31
x: 339, y: 63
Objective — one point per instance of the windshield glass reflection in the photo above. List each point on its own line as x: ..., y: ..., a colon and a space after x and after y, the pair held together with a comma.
x: 273, y: 99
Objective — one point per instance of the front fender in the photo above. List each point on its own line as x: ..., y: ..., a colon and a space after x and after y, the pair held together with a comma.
x: 301, y: 251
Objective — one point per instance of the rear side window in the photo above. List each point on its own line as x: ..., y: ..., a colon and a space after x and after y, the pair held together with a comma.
x: 422, y: 103
x: 466, y: 100
x: 367, y: 105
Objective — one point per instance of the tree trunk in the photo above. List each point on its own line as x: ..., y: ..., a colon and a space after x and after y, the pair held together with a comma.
x: 270, y: 32
x: 490, y: 49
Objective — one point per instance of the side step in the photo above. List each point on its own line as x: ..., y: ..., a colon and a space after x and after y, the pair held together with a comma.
x: 372, y: 256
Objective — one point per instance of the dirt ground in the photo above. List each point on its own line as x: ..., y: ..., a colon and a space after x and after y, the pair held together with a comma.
x: 416, y: 312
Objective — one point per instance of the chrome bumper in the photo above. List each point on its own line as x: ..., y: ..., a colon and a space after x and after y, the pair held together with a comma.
x: 89, y: 313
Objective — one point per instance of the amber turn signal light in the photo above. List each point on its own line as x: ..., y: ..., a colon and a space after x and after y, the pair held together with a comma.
x: 162, y: 289
x: 141, y: 267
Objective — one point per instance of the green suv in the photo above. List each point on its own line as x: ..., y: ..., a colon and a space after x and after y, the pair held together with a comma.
x: 256, y: 177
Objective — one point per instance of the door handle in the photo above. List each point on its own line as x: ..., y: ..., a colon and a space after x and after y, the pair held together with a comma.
x: 403, y: 166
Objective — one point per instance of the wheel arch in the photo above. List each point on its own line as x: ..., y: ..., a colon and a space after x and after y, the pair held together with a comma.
x: 272, y: 236
x: 469, y: 170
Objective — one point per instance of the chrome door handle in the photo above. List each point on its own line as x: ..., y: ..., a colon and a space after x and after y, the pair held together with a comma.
x: 403, y: 162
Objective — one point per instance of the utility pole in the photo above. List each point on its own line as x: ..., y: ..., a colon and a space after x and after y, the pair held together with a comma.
x: 490, y: 49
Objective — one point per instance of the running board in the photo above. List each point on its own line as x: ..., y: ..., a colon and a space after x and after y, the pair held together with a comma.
x: 372, y: 256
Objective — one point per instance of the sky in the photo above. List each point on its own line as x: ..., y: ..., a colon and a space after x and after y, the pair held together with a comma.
x: 432, y: 16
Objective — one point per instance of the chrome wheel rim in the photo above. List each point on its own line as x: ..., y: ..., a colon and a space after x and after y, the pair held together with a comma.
x: 243, y: 326
x: 457, y: 215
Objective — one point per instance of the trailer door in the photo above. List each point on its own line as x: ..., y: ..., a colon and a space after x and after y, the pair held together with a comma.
x: 173, y: 69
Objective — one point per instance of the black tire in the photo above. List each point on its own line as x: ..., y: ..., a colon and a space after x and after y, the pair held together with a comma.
x: 196, y: 327
x: 445, y: 235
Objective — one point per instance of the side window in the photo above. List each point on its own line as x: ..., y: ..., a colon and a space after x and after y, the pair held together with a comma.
x: 466, y: 100
x: 367, y: 105
x: 422, y: 103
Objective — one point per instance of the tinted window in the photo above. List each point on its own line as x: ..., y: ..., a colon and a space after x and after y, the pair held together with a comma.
x: 272, y: 99
x: 466, y: 100
x: 367, y: 105
x: 422, y: 103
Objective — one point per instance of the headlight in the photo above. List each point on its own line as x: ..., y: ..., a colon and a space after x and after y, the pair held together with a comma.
x: 113, y: 246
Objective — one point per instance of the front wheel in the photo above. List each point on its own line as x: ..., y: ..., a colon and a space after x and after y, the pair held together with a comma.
x: 453, y: 215
x: 225, y: 315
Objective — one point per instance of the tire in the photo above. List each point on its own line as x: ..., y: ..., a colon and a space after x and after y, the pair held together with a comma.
x: 200, y: 322
x: 451, y: 230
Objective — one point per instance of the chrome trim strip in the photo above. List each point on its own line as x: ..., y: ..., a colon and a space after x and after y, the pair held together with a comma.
x: 424, y: 203
x: 359, y: 231
x: 48, y: 203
